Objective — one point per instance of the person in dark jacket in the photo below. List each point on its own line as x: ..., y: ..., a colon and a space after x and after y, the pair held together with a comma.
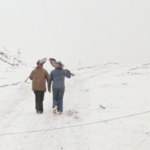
x: 57, y: 76
x: 39, y: 76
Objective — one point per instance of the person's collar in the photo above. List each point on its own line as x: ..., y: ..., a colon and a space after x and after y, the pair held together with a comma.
x: 39, y: 66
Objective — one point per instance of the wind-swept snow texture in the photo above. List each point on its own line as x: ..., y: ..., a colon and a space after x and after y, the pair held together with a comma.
x: 8, y: 60
x: 11, y: 68
x: 106, y: 107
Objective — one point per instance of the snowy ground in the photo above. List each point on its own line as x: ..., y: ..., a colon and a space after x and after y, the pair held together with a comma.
x: 106, y: 107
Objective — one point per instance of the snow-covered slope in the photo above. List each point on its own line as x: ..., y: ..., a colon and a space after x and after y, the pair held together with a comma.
x: 8, y: 60
x: 11, y: 68
x: 106, y: 107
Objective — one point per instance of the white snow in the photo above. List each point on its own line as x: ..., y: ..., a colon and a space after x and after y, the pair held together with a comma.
x: 106, y: 107
x: 9, y: 60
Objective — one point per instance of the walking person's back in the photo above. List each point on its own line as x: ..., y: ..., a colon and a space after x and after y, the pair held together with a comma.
x: 57, y: 76
x: 39, y: 76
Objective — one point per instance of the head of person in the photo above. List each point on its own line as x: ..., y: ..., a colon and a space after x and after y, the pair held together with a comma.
x: 38, y: 64
x: 60, y: 64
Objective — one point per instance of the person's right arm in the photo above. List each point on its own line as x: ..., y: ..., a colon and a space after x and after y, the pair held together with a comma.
x: 31, y: 76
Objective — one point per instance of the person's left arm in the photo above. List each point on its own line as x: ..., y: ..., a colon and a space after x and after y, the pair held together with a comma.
x: 46, y: 77
x: 49, y: 81
x: 67, y: 73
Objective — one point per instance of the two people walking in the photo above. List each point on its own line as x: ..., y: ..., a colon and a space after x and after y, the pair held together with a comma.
x: 56, y: 80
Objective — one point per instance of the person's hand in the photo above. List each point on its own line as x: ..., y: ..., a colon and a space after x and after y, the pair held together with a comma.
x: 49, y: 90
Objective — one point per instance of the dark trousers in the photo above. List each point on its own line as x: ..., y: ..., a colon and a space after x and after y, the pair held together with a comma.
x: 58, y: 94
x: 39, y: 97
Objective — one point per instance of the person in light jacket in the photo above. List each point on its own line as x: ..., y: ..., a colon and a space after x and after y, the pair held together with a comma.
x: 57, y: 78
